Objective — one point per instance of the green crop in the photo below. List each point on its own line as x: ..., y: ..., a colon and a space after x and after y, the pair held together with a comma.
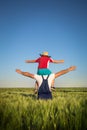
x: 20, y: 110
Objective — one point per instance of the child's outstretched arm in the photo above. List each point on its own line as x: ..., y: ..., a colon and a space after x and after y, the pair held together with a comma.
x: 30, y: 61
x: 58, y: 61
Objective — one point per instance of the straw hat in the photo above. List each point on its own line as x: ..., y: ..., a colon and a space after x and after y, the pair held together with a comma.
x: 45, y: 53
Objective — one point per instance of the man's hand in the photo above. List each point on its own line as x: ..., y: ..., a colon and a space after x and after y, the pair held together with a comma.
x: 18, y: 71
x: 72, y: 68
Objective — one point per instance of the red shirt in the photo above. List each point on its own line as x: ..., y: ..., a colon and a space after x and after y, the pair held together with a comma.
x: 43, y: 62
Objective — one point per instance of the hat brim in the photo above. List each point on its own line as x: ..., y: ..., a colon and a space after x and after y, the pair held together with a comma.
x: 44, y: 55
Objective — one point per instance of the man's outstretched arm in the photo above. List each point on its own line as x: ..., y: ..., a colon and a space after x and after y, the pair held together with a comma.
x: 25, y: 73
x: 65, y: 71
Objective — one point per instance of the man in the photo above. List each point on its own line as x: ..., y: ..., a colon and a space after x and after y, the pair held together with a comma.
x: 44, y: 87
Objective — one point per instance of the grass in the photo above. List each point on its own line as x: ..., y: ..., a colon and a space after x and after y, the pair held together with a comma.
x: 20, y: 110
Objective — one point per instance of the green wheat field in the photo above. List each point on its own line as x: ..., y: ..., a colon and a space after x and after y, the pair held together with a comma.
x: 20, y: 109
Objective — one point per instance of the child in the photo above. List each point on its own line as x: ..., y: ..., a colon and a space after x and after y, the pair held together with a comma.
x: 43, y: 65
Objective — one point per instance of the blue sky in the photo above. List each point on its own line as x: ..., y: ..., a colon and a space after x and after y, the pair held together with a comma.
x: 29, y: 27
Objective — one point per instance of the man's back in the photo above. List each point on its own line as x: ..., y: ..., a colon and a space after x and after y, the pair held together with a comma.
x: 39, y: 79
x: 44, y: 91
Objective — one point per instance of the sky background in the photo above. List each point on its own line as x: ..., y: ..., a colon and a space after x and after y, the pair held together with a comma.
x: 29, y: 27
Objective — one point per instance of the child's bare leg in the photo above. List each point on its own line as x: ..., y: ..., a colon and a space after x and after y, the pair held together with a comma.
x: 53, y: 85
x: 36, y: 87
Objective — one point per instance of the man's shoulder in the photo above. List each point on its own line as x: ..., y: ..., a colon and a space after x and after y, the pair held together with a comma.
x: 36, y: 76
x: 51, y: 75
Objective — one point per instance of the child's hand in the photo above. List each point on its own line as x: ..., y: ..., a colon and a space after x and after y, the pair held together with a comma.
x: 26, y: 61
x: 62, y: 61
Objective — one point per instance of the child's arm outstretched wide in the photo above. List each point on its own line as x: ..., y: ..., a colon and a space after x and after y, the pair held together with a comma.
x: 30, y: 61
x: 58, y: 61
